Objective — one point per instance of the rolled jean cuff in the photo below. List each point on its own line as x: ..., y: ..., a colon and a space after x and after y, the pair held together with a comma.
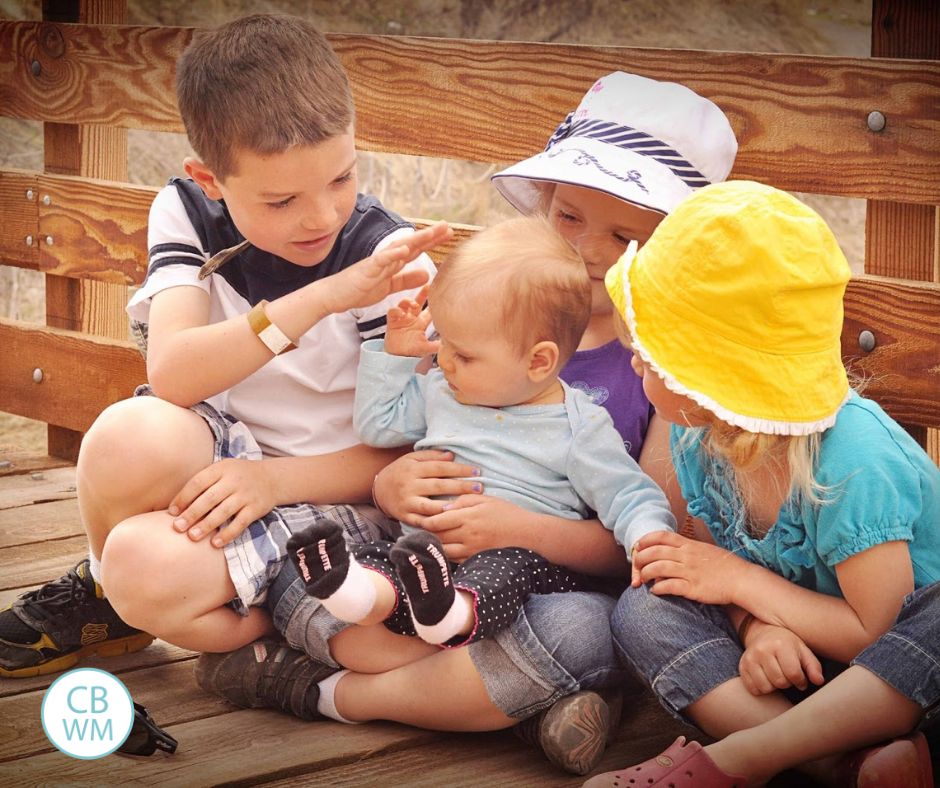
x: 903, y: 664
x: 682, y: 682
x: 557, y: 645
x: 301, y: 619
x: 507, y: 666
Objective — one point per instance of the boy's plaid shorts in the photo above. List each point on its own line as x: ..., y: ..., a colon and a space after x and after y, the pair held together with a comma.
x: 255, y: 556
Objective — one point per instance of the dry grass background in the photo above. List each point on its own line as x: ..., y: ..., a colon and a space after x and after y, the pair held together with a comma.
x: 455, y: 190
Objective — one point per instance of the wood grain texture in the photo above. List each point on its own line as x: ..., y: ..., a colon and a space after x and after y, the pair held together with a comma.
x: 800, y: 120
x: 82, y: 374
x: 900, y: 240
x: 99, y: 228
x: 903, y: 371
x: 93, y: 222
x: 57, y: 484
x: 41, y: 521
x: 20, y: 218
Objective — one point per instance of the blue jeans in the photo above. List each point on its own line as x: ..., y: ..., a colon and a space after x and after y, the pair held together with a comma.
x: 908, y: 656
x: 685, y: 649
x: 557, y: 645
x: 681, y: 649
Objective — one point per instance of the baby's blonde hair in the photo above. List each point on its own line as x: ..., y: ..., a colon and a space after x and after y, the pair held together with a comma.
x: 534, y: 278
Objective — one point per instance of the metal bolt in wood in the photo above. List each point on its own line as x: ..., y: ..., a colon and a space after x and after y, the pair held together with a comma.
x: 866, y: 341
x: 46, y: 200
x: 37, y: 375
x: 29, y: 240
x: 30, y: 195
x: 876, y: 120
x: 36, y: 68
x: 49, y: 240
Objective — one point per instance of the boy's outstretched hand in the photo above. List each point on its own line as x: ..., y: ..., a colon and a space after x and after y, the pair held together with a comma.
x: 406, y: 328
x: 370, y: 280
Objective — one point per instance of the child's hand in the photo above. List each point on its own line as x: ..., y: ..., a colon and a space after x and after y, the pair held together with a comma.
x: 685, y: 567
x: 236, y: 490
x: 405, y: 488
x: 635, y: 580
x: 370, y: 280
x: 471, y: 524
x: 774, y: 659
x: 406, y: 328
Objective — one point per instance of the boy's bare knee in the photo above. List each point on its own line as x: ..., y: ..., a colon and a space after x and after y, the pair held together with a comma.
x: 132, y: 578
x: 141, y: 445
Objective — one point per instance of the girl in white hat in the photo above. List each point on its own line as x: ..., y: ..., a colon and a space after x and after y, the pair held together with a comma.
x: 824, y: 514
x: 631, y: 151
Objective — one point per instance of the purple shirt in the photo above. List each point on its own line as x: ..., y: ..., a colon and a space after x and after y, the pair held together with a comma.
x: 605, y: 375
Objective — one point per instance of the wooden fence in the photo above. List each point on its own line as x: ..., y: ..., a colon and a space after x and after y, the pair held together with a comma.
x: 808, y: 124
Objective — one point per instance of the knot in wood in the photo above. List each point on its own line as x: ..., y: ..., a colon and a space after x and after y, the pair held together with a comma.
x: 51, y: 41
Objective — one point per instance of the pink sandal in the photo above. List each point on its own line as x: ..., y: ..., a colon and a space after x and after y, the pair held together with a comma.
x: 901, y: 763
x: 683, y: 765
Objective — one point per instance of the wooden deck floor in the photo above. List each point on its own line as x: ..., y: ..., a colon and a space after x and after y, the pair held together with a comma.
x: 41, y: 537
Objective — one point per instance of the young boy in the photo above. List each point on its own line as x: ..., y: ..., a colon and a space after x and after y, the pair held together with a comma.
x: 510, y: 305
x: 268, y: 111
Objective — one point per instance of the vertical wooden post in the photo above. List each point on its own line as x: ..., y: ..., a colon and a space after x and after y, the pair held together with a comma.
x: 901, y: 240
x: 96, y: 152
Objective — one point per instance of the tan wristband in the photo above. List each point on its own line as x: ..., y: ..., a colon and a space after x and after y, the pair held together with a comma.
x: 274, y: 339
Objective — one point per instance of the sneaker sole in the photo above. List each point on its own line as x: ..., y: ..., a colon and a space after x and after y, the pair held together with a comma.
x: 107, y: 648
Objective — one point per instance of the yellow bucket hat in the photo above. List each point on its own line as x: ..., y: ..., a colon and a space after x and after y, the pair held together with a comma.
x: 736, y: 301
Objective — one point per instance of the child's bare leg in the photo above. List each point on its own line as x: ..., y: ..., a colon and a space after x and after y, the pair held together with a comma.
x: 730, y: 707
x: 376, y: 649
x: 854, y: 710
x: 135, y: 458
x: 331, y: 573
x: 164, y: 583
x: 441, y: 692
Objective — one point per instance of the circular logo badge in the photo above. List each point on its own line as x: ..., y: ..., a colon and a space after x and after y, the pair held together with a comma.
x: 87, y: 713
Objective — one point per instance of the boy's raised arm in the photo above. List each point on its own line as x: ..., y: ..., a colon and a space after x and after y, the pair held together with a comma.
x: 189, y: 361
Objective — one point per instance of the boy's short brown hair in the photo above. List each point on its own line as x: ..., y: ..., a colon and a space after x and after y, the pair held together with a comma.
x: 262, y: 83
x: 536, y: 280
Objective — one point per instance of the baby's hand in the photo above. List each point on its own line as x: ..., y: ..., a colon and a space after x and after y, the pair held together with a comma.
x: 406, y: 328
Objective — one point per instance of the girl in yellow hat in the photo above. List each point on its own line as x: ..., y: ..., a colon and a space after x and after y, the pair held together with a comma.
x: 824, y: 515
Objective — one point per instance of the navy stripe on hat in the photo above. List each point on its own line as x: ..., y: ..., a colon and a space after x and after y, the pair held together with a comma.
x: 633, y: 140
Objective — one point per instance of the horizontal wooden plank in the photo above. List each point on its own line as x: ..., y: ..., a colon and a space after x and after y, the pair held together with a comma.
x: 16, y: 463
x: 500, y: 758
x: 34, y: 564
x: 40, y: 522
x: 168, y: 691
x: 54, y: 484
x: 239, y: 748
x: 800, y: 120
x: 99, y: 228
x: 91, y: 221
x: 903, y: 371
x: 81, y: 374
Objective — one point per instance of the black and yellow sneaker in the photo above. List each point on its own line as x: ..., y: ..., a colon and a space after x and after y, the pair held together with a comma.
x: 52, y: 628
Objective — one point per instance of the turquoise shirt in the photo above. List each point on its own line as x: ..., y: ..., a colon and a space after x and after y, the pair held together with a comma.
x: 884, y: 488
